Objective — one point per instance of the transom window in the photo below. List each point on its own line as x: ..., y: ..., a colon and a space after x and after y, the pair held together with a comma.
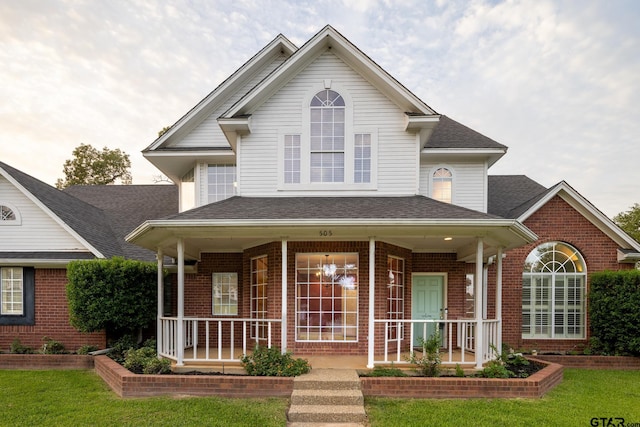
x: 442, y: 185
x: 225, y: 294
x: 11, y: 291
x: 327, y: 297
x: 327, y: 137
x: 221, y: 182
x: 395, y: 296
x: 553, y: 292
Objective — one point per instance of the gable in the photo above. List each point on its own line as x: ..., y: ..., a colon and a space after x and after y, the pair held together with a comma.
x: 36, y: 231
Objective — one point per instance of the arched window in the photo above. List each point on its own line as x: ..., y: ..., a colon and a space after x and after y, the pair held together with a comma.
x: 327, y: 136
x: 442, y: 180
x: 553, y: 292
x: 6, y: 213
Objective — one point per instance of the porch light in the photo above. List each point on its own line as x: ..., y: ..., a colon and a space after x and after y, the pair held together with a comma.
x: 448, y: 239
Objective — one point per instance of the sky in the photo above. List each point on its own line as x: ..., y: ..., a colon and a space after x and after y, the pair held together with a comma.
x: 558, y: 82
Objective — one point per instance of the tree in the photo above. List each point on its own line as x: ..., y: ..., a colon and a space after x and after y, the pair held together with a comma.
x: 629, y: 221
x: 115, y: 295
x: 92, y: 167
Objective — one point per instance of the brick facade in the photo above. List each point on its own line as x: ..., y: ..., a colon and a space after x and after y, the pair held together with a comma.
x: 51, y: 317
x: 555, y: 221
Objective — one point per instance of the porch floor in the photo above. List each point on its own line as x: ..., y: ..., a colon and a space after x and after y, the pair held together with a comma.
x: 316, y: 361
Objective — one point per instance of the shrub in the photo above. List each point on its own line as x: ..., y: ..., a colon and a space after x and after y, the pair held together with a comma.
x: 429, y: 364
x: 120, y: 347
x: 506, y: 365
x: 18, y: 348
x: 52, y: 346
x: 383, y: 371
x: 271, y: 362
x: 86, y: 349
x: 459, y: 371
x: 144, y: 360
x: 115, y: 295
x: 614, y: 312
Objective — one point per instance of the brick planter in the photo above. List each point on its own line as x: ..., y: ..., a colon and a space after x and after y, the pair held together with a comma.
x: 45, y: 361
x: 594, y: 362
x: 127, y: 384
x: 534, y: 386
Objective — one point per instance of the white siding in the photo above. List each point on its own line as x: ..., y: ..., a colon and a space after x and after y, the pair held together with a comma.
x: 37, y: 231
x: 372, y: 112
x: 469, y: 182
x: 208, y: 133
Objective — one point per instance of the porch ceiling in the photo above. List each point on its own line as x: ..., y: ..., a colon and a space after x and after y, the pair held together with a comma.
x: 416, y: 235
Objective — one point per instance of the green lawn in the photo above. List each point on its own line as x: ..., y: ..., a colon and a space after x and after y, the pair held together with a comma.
x: 80, y: 398
x: 583, y: 395
x: 73, y: 398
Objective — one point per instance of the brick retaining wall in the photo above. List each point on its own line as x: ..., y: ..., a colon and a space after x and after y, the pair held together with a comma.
x: 45, y: 361
x: 127, y: 384
x: 594, y: 362
x: 534, y: 386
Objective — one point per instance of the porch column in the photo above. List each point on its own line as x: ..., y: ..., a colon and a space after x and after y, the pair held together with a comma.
x: 372, y: 301
x: 160, y: 256
x: 499, y: 297
x: 479, y: 294
x: 180, y: 340
x: 283, y: 325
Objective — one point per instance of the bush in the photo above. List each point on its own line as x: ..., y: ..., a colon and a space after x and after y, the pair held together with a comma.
x: 120, y: 347
x: 144, y: 360
x: 115, y: 295
x: 506, y: 365
x: 614, y: 312
x: 86, y: 349
x: 429, y: 365
x: 271, y: 362
x: 382, y: 371
x: 52, y: 346
x: 18, y: 348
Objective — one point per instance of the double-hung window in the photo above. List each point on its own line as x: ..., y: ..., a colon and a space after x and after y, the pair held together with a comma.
x: 225, y: 294
x: 11, y: 291
x: 327, y: 137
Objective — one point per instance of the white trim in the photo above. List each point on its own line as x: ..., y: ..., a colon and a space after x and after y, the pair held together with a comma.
x: 372, y: 303
x: 589, y: 211
x: 479, y: 335
x: 53, y: 216
x: 284, y: 303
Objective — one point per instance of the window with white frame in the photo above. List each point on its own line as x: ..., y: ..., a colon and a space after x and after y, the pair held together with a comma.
x: 395, y: 296
x: 292, y: 155
x: 327, y: 137
x: 259, y: 270
x: 327, y: 297
x: 442, y: 181
x: 11, y: 291
x: 225, y: 294
x: 362, y: 158
x: 469, y: 296
x: 6, y: 213
x: 554, y: 292
x: 221, y: 180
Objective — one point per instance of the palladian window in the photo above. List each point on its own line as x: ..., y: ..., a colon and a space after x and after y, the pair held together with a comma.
x: 327, y: 297
x: 327, y: 137
x: 554, y: 292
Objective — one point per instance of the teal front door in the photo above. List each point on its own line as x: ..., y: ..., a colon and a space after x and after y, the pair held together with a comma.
x: 427, y: 296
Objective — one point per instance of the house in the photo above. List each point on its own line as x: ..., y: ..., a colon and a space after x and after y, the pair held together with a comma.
x: 326, y: 209
x: 42, y: 229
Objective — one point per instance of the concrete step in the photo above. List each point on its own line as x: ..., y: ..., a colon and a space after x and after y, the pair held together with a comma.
x: 328, y: 379
x: 327, y: 397
x: 327, y: 414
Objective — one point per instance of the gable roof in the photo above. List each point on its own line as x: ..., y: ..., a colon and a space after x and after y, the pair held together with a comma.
x: 85, y: 222
x: 127, y: 206
x: 519, y: 197
x: 329, y: 38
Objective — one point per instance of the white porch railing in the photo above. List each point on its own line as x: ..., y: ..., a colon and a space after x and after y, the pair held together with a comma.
x: 214, y: 340
x: 396, y: 350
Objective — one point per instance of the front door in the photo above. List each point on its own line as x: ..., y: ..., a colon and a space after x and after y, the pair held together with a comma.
x: 427, y: 295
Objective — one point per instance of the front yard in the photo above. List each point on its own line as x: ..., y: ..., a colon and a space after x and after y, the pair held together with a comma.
x: 81, y: 398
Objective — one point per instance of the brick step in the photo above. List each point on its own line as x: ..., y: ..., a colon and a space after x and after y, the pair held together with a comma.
x: 327, y: 397
x: 327, y: 414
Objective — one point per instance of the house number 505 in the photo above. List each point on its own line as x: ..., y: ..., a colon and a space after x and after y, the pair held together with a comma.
x: 326, y: 233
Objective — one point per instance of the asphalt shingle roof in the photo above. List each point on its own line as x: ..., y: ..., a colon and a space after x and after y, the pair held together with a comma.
x: 511, y: 195
x: 451, y: 134
x: 266, y: 208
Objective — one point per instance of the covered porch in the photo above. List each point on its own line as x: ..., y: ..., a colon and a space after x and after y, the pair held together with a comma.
x: 368, y: 302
